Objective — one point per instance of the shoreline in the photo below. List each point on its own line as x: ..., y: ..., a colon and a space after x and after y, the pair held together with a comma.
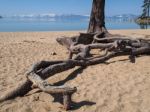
x: 145, y: 21
x: 71, y: 30
x: 127, y: 32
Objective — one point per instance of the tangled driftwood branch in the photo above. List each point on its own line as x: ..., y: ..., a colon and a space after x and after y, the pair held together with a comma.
x: 79, y: 48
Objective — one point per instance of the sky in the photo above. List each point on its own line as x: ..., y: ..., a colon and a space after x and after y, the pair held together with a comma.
x: 112, y: 7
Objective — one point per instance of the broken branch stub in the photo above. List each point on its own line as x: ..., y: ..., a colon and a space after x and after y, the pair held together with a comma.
x: 45, y: 87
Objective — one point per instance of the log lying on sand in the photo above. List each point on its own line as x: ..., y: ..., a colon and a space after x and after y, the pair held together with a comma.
x: 36, y: 80
x: 82, y: 50
x: 45, y: 87
x: 19, y: 90
x: 80, y: 47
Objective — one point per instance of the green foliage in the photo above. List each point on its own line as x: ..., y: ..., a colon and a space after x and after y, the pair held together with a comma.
x: 146, y: 9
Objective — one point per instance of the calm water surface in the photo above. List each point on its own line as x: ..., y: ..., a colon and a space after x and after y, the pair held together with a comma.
x: 15, y: 25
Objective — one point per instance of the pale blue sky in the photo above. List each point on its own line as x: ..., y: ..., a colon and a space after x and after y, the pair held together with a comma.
x: 113, y: 7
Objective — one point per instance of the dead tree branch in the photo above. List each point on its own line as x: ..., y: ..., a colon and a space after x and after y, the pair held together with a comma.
x: 80, y: 46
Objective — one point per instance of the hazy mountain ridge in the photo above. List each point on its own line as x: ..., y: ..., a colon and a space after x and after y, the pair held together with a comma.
x: 122, y: 17
x: 55, y: 17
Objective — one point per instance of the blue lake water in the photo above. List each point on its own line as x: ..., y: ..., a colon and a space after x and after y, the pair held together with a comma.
x: 18, y: 25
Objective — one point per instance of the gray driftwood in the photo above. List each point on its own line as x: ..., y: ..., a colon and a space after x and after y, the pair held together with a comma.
x: 80, y: 46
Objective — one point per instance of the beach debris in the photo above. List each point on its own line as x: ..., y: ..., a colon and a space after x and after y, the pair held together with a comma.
x: 79, y: 48
x: 45, y: 87
x: 53, y: 53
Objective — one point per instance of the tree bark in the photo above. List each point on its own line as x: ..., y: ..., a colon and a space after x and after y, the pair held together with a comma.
x: 42, y: 70
x: 97, y: 18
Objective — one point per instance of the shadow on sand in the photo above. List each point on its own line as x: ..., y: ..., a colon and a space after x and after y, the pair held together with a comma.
x: 59, y: 97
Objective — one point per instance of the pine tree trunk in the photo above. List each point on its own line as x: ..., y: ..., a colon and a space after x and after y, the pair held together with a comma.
x: 97, y: 18
x: 148, y: 10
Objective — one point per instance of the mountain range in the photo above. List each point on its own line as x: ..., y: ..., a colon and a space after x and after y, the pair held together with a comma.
x: 122, y: 17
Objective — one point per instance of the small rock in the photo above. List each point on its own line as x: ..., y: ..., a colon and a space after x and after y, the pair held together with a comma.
x: 53, y: 53
x: 35, y: 98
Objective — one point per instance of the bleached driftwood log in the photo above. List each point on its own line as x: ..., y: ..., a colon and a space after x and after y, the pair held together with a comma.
x: 80, y: 46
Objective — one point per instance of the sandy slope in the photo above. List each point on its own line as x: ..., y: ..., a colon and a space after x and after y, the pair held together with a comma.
x: 118, y: 86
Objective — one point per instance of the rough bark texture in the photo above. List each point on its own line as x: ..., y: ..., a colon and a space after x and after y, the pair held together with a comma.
x: 113, y: 47
x: 45, y: 87
x: 97, y: 18
x: 19, y: 90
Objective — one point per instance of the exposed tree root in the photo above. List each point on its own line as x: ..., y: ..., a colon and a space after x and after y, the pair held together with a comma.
x: 20, y: 90
x: 80, y: 46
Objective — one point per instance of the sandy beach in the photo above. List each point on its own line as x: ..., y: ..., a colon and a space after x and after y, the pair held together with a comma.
x: 116, y: 86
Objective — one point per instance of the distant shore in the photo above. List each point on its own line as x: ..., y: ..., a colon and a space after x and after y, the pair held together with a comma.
x: 143, y: 21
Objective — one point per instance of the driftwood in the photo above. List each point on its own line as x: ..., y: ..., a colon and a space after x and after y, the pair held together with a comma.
x: 45, y: 87
x: 98, y: 42
x: 80, y: 46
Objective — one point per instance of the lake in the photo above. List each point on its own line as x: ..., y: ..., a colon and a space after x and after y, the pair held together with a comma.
x: 32, y: 24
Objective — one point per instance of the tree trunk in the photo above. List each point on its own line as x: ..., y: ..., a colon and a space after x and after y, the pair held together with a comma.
x: 148, y: 9
x: 97, y: 18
